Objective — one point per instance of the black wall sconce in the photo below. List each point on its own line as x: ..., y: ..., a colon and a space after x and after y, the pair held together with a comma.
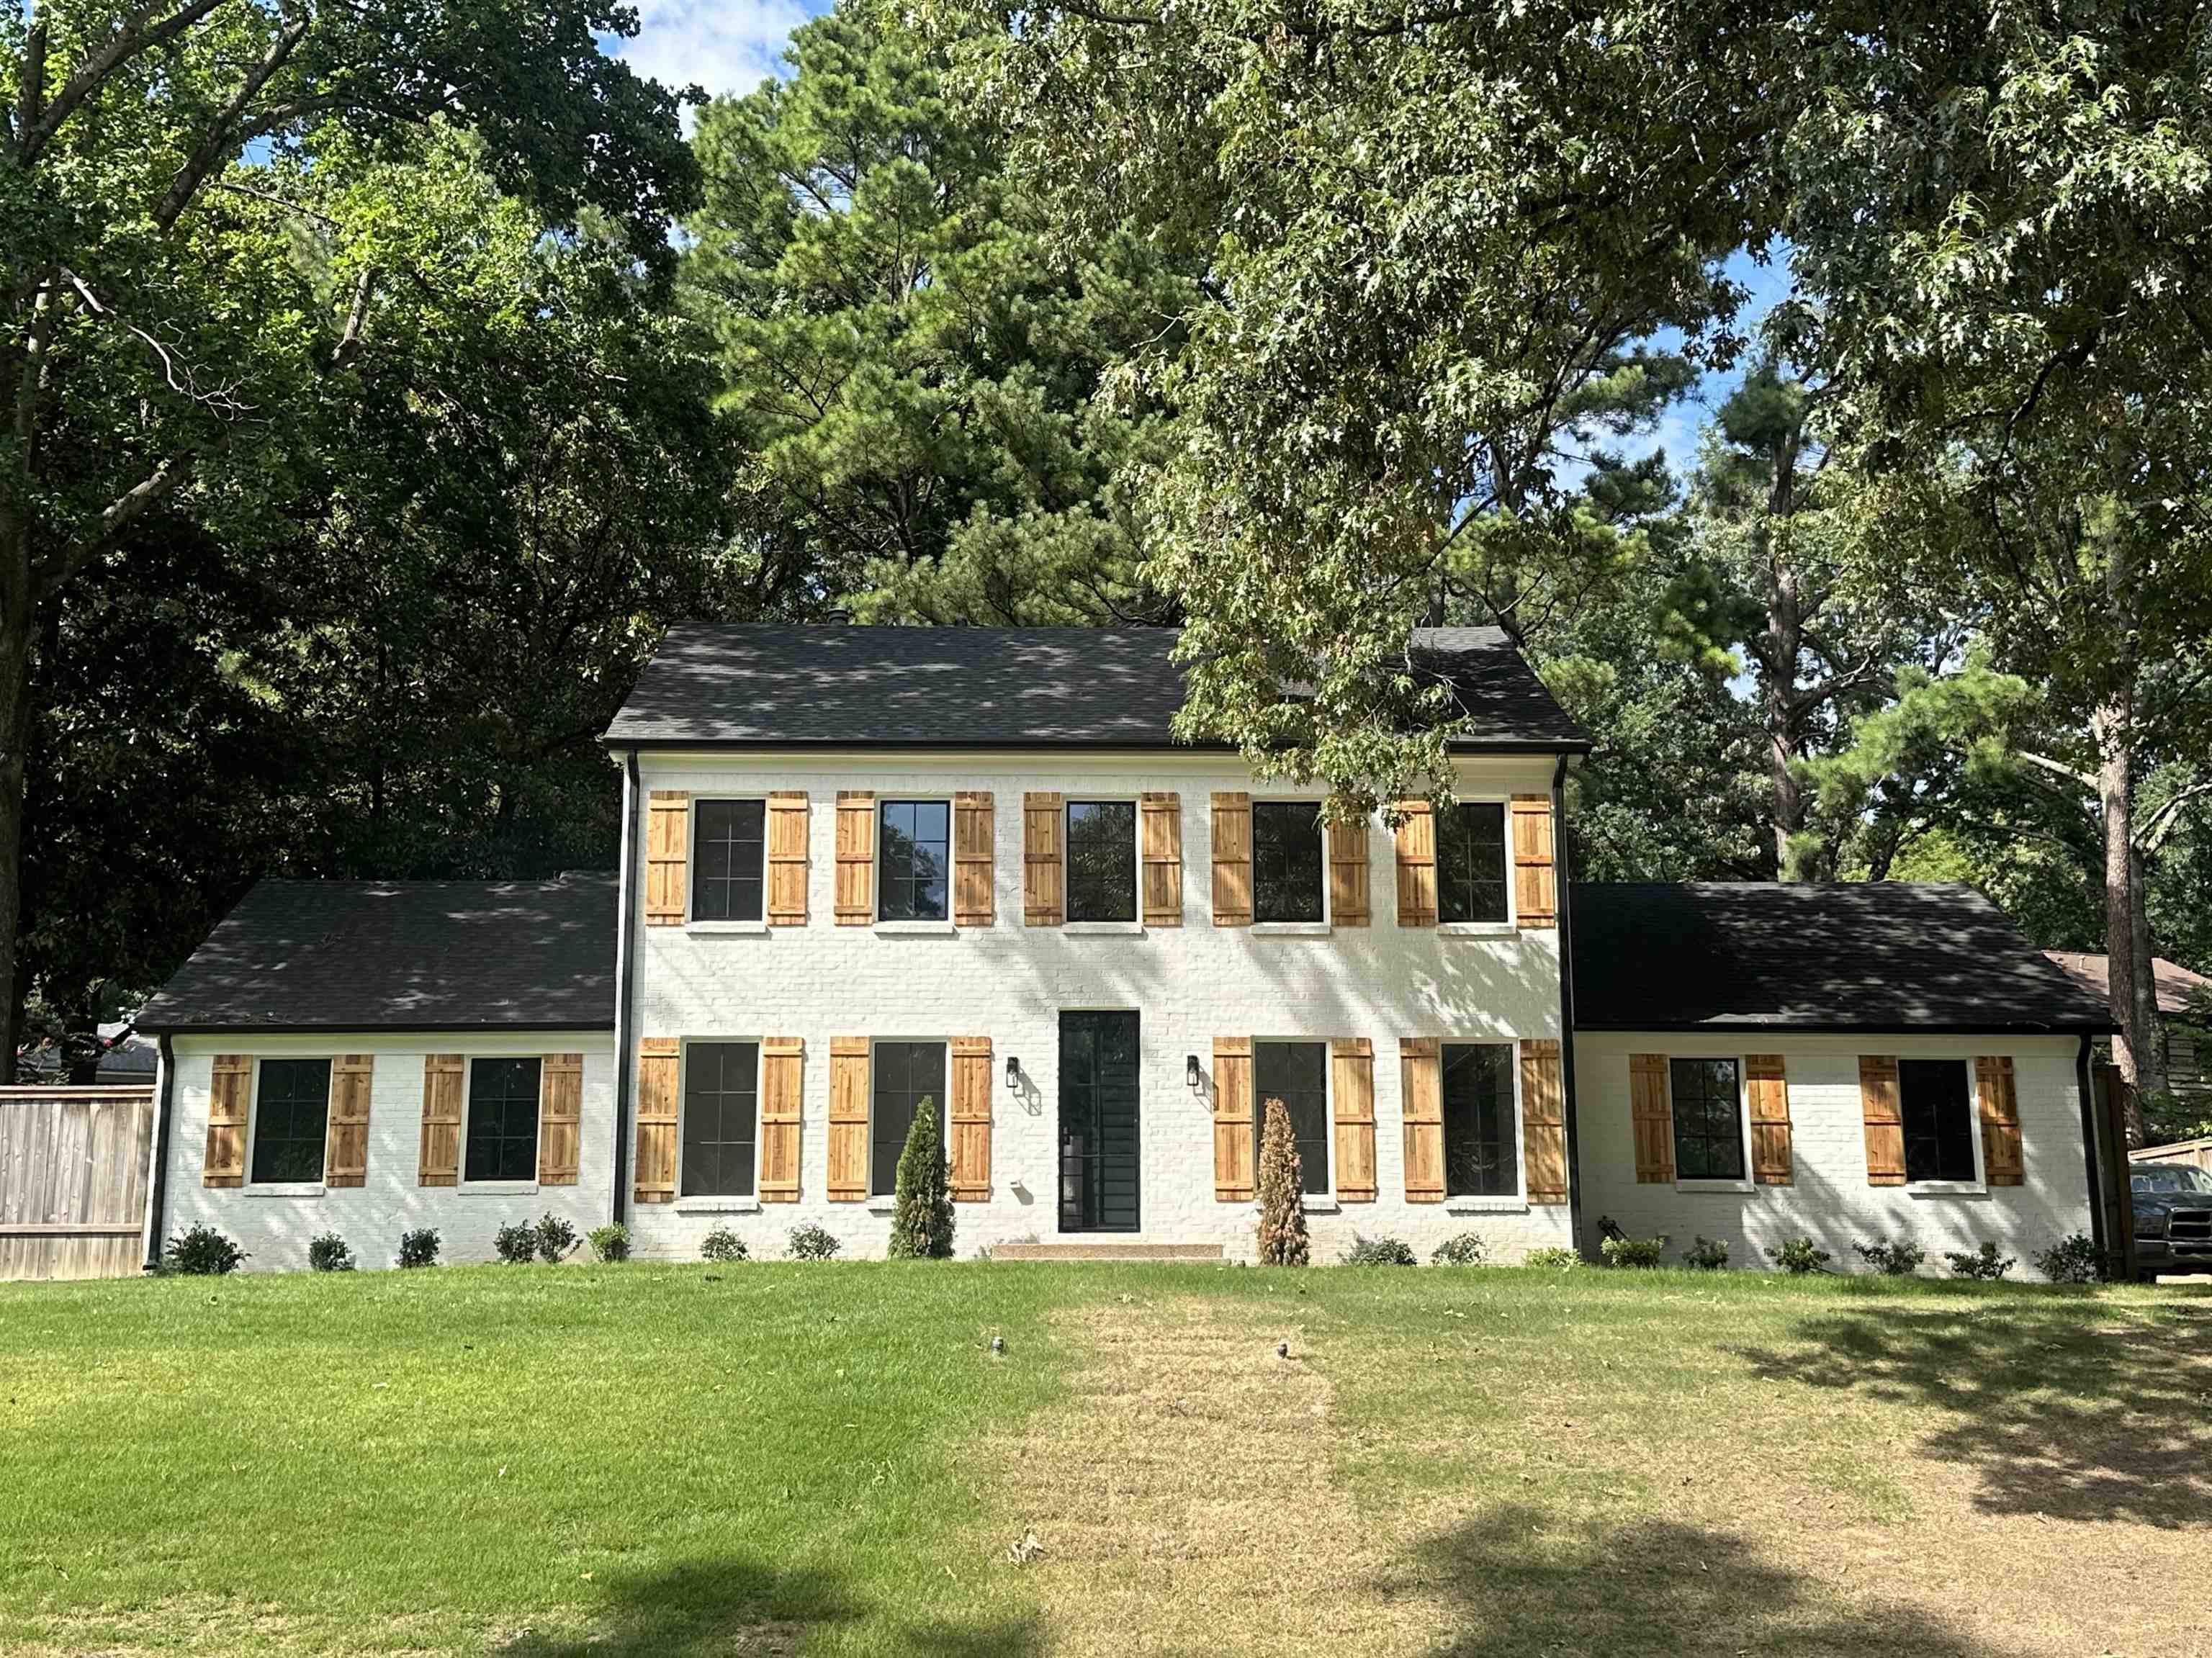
x: 1013, y: 1075
x: 1191, y: 1074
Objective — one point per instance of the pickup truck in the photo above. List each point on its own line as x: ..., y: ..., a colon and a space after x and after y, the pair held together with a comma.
x: 2173, y: 1218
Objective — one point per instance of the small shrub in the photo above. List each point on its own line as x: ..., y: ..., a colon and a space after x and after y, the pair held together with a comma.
x: 330, y: 1253
x: 1799, y: 1256
x: 922, y: 1220
x: 1378, y: 1252
x: 419, y: 1247
x: 1899, y: 1258
x: 2071, y: 1260
x: 1708, y: 1253
x: 555, y: 1238
x: 517, y: 1243
x: 610, y: 1242
x: 1552, y: 1259
x: 1283, y: 1240
x: 811, y: 1243
x: 723, y: 1244
x: 1633, y: 1252
x: 201, y: 1252
x: 1467, y: 1249
x: 1984, y: 1263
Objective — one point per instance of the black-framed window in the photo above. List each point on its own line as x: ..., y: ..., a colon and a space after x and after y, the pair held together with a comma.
x: 1708, y: 1106
x: 1286, y: 860
x: 503, y: 1142
x: 1102, y: 861
x: 1939, y: 1124
x: 1297, y: 1073
x: 1478, y: 1100
x: 291, y: 1114
x: 728, y: 860
x: 913, y: 841
x: 1471, y: 862
x: 721, y: 1111
x: 906, y: 1076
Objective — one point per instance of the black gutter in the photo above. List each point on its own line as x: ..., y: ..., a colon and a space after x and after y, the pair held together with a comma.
x: 625, y: 943
x: 1564, y: 918
x: 1782, y: 1028
x: 1562, y: 745
x: 2093, y: 1154
x: 157, y: 1187
x: 370, y: 1028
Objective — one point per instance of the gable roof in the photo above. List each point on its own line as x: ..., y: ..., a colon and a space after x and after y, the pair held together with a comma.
x: 765, y: 686
x: 2175, y: 982
x: 403, y: 956
x: 1868, y: 956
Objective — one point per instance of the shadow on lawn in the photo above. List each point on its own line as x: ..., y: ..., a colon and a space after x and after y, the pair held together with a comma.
x: 1655, y: 1587
x: 2063, y: 1408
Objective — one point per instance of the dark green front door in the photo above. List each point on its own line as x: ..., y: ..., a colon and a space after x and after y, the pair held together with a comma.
x: 1099, y: 1122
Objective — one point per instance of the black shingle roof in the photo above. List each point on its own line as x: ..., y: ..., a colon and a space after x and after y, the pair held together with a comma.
x: 403, y: 956
x: 975, y: 688
x: 1877, y: 955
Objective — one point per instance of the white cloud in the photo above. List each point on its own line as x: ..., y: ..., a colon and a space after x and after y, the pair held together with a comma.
x: 725, y: 46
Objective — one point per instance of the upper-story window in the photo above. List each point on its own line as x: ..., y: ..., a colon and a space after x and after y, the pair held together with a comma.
x: 291, y: 1114
x: 1102, y: 861
x: 913, y: 853
x: 1286, y: 861
x: 1471, y: 862
x: 728, y: 868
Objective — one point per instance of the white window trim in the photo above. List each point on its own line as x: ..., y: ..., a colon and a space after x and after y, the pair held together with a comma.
x: 1742, y: 1127
x: 1325, y: 1201
x: 912, y: 928
x: 692, y: 867
x: 1320, y: 929
x: 1980, y: 1186
x: 1468, y: 1203
x: 462, y: 1183
x: 314, y: 1188
x: 1135, y: 923
x: 717, y: 1202
x: 888, y: 1200
x: 1511, y: 925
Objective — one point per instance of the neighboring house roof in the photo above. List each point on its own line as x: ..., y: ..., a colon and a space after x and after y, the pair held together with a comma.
x: 2175, y: 982
x: 1002, y: 688
x: 403, y: 956
x: 1870, y: 956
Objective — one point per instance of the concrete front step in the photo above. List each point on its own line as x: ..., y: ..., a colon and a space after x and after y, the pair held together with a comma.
x: 1086, y: 1250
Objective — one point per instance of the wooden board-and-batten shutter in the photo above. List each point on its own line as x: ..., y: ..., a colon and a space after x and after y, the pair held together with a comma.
x: 856, y: 858
x: 659, y: 1095
x: 2002, y: 1161
x: 1654, y: 1123
x: 783, y: 1079
x: 1881, y: 1108
x: 560, y: 1118
x: 1544, y: 1120
x: 1421, y: 1107
x: 788, y: 822
x: 1159, y: 849
x: 1417, y: 863
x: 848, y: 1119
x: 1352, y: 1085
x: 1766, y: 1078
x: 1232, y: 835
x: 1042, y: 904
x: 975, y: 834
x: 1347, y: 874
x: 971, y: 1117
x: 667, y: 856
x: 230, y: 1098
x: 345, y: 1149
x: 1233, y: 1173
x: 1535, y: 880
x: 438, y: 1160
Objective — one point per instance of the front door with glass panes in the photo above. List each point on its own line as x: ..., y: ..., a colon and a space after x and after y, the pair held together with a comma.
x: 1099, y: 1122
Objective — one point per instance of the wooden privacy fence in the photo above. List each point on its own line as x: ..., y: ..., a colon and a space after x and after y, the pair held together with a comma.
x: 73, y: 1181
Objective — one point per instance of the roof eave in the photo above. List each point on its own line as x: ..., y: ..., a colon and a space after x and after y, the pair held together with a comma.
x: 617, y: 743
x: 371, y: 1027
x: 1755, y: 1024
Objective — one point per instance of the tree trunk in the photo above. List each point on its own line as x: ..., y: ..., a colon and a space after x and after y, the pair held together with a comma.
x: 1779, y: 648
x: 2134, y: 1002
x: 14, y: 739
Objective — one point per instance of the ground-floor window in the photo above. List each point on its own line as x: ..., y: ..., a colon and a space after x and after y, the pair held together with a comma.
x: 1708, y: 1106
x: 1297, y: 1073
x: 1939, y: 1124
x: 906, y: 1076
x: 721, y: 1107
x: 291, y: 1112
x: 1477, y: 1104
x: 502, y: 1135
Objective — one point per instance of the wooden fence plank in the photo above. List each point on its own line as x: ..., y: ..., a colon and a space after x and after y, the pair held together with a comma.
x: 73, y: 1181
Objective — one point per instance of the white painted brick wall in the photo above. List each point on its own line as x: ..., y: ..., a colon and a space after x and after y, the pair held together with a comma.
x: 1829, y: 1199
x: 273, y: 1229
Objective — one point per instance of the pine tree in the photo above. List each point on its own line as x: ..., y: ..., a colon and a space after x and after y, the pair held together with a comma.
x: 922, y: 1224
x: 1282, y: 1203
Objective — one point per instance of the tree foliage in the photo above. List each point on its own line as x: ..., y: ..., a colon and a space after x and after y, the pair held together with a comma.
x: 921, y: 1222
x: 1283, y: 1240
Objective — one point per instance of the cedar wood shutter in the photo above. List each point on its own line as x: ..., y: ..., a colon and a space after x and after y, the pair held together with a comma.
x: 787, y: 820
x: 1879, y: 1104
x: 1347, y: 874
x: 667, y: 853
x: 1535, y: 885
x: 438, y: 1161
x: 1654, y: 1123
x: 560, y: 1118
x: 783, y: 1075
x: 974, y: 839
x: 1768, y: 1078
x: 1351, y: 1063
x: 971, y: 1120
x: 856, y: 857
x: 659, y: 1088
x: 1421, y: 1083
x: 345, y: 1156
x: 2002, y: 1162
x: 230, y: 1092
x: 848, y: 1119
x: 1543, y: 1121
x: 1041, y: 905
x: 1232, y: 1120
x: 1417, y: 864
x: 1159, y: 841
x: 1232, y: 863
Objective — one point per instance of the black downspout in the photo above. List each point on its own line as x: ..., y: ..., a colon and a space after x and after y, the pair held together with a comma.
x: 1564, y: 907
x: 157, y: 1180
x: 2093, y: 1153
x: 625, y: 943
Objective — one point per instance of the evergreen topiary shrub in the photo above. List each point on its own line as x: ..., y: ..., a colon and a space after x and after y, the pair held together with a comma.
x: 1898, y: 1258
x: 1467, y: 1249
x: 1708, y: 1253
x: 516, y: 1243
x: 201, y: 1252
x: 1378, y: 1252
x: 921, y: 1221
x: 2071, y: 1259
x: 811, y: 1243
x: 555, y: 1238
x: 1984, y: 1263
x: 329, y: 1253
x: 1799, y: 1256
x: 610, y: 1242
x: 723, y: 1244
x: 1283, y: 1240
x: 419, y: 1247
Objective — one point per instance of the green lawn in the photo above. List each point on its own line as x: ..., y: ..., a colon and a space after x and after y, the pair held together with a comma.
x: 783, y: 1458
